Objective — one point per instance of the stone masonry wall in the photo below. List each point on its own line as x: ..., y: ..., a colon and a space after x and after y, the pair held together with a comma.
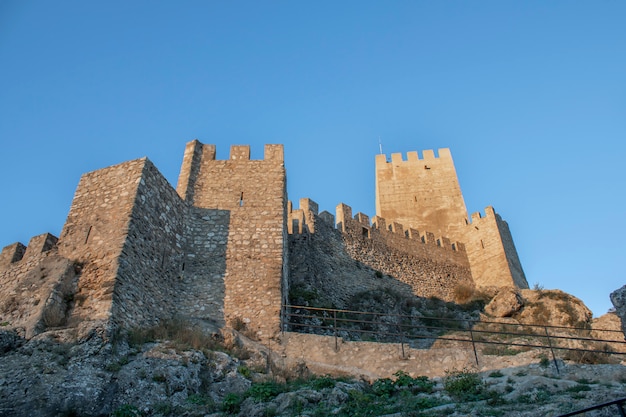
x: 425, y: 194
x: 95, y: 233
x: 201, y: 286
x: 491, y: 251
x: 36, y: 290
x: 430, y: 270
x: 148, y: 277
x: 253, y: 192
x: 420, y: 193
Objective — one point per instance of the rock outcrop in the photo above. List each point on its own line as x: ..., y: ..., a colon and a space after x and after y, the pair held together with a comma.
x: 618, y: 298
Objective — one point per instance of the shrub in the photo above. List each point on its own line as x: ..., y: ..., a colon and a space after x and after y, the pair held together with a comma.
x: 322, y: 382
x: 464, y: 385
x: 384, y: 387
x: 544, y: 362
x: 463, y: 293
x: 244, y: 371
x: 418, y: 384
x: 265, y: 391
x: 232, y: 403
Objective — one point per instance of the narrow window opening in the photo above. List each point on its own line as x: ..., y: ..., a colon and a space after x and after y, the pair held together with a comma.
x: 454, y: 247
x: 482, y: 244
x: 423, y: 239
x: 415, y: 198
x: 366, y: 232
x: 241, y: 199
x: 390, y: 228
x: 438, y: 242
x: 88, y: 233
x: 406, y: 234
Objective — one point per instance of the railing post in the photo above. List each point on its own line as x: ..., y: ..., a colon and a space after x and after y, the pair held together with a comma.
x: 474, y: 345
x: 556, y: 365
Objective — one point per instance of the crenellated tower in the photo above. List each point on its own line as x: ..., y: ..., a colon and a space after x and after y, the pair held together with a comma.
x: 250, y: 198
x: 424, y: 193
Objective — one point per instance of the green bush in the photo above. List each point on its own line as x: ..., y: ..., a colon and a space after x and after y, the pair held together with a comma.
x: 464, y: 385
x: 322, y: 382
x: 232, y: 403
x: 384, y: 387
x: 418, y: 384
x: 244, y: 371
x: 265, y: 391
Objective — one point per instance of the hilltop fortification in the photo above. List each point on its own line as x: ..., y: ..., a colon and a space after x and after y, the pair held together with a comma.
x: 224, y: 246
x: 424, y: 193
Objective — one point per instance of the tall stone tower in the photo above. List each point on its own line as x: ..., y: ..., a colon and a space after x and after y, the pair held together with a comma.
x: 249, y: 199
x: 424, y: 194
x: 420, y: 193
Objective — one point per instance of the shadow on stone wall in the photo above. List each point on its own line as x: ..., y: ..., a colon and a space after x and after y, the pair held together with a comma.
x: 201, y: 288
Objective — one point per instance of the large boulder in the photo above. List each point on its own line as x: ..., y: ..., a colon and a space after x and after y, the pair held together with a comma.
x: 506, y: 302
x: 554, y: 308
x: 618, y: 298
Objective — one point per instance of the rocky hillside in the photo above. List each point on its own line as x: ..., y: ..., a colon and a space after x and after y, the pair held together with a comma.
x: 178, y: 369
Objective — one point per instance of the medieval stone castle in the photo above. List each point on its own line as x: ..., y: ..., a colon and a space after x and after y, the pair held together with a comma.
x: 221, y: 246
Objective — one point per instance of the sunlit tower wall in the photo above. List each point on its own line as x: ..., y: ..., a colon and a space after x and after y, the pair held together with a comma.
x: 423, y: 194
x: 252, y: 194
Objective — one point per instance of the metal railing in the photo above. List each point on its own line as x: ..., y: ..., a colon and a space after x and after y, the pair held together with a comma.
x: 406, y: 329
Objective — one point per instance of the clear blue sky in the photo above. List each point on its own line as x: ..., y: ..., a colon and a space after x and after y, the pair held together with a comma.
x: 529, y: 95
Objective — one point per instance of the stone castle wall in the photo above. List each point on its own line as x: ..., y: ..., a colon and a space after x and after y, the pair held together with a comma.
x: 253, y: 193
x: 432, y: 267
x: 134, y: 251
x: 425, y: 194
x: 35, y: 286
x: 491, y: 251
x: 420, y: 193
x: 95, y: 233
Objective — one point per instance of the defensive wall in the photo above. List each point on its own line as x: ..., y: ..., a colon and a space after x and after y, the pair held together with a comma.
x: 218, y: 248
x: 140, y: 251
x: 432, y: 266
x: 252, y: 193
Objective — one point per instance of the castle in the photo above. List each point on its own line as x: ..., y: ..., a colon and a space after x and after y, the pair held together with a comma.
x: 134, y: 250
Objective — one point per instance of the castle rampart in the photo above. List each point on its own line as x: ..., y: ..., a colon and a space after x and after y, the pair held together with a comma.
x: 34, y: 287
x: 432, y: 267
x: 491, y: 251
x: 11, y: 253
x: 134, y: 251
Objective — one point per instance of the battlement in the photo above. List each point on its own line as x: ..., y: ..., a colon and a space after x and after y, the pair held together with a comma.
x: 302, y: 219
x: 443, y: 154
x: 385, y: 228
x: 17, y: 251
x: 12, y: 253
x: 477, y: 216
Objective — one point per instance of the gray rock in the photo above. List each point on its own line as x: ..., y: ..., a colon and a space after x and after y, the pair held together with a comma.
x: 618, y: 298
